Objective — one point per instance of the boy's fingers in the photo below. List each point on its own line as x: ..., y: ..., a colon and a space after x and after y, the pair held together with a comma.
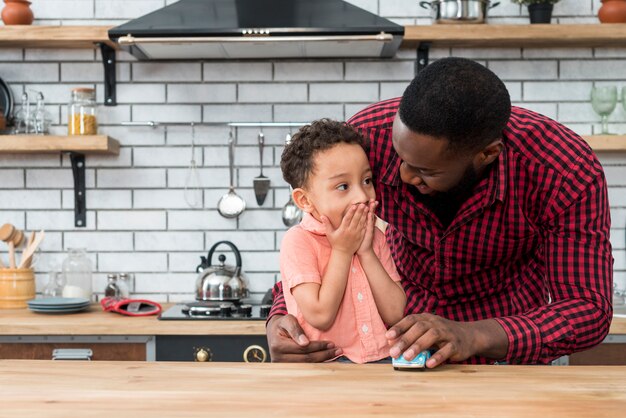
x: 349, y: 217
x: 357, y: 220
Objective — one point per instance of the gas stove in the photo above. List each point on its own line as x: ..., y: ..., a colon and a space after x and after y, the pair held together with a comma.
x: 216, y: 310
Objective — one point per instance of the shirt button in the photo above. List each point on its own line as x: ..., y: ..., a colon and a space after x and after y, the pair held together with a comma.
x: 353, y: 270
x: 364, y: 328
x: 359, y: 296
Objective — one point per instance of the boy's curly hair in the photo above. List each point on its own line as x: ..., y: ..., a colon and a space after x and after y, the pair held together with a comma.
x: 297, y: 158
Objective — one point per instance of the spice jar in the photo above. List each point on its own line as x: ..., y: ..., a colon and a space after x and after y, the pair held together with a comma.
x: 124, y: 284
x: 112, y: 290
x: 82, y: 112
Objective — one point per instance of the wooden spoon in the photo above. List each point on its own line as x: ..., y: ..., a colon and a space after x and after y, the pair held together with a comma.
x: 30, y: 250
x: 6, y: 231
x: 31, y: 239
x: 11, y: 254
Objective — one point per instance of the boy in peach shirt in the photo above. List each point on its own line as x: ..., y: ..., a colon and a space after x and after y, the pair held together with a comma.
x: 338, y: 276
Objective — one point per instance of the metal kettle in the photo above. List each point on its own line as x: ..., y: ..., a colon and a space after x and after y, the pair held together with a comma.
x: 222, y: 282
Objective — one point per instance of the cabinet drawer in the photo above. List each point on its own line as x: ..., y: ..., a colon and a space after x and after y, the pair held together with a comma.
x: 112, y: 348
x: 605, y: 354
x: 43, y: 351
x: 212, y: 348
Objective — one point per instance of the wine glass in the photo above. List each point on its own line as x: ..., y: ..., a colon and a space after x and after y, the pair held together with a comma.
x: 603, y: 101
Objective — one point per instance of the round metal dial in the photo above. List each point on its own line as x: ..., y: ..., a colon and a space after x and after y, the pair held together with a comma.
x: 255, y: 354
x: 203, y: 354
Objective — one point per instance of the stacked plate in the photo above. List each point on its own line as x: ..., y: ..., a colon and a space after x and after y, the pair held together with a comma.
x: 58, y: 305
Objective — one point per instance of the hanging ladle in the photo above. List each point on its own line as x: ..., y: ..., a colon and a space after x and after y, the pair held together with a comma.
x: 291, y: 213
x: 231, y: 205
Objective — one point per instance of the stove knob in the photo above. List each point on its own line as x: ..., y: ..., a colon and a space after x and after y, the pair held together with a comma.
x: 203, y: 354
x: 265, y: 311
x: 245, y: 310
x: 225, y: 310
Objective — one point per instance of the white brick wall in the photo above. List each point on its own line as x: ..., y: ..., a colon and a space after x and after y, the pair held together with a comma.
x: 137, y: 218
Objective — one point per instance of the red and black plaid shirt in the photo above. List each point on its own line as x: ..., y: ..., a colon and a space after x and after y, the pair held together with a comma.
x: 529, y: 248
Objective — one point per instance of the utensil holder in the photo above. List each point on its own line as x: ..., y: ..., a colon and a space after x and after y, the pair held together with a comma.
x: 17, y: 286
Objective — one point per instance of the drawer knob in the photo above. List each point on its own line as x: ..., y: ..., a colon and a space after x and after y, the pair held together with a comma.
x: 203, y: 354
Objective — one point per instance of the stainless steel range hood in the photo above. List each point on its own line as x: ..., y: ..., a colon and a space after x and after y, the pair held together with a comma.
x: 240, y: 29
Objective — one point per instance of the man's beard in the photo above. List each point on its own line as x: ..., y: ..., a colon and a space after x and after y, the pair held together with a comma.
x: 446, y: 204
x: 459, y: 193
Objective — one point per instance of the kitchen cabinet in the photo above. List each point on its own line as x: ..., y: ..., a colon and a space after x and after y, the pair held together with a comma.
x: 28, y: 335
x: 183, y: 340
x: 102, y: 347
x: 611, y: 352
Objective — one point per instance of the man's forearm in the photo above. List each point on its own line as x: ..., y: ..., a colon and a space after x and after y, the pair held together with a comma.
x: 490, y: 339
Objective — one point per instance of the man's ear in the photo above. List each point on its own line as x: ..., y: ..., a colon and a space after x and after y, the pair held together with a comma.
x: 301, y: 199
x: 489, y: 153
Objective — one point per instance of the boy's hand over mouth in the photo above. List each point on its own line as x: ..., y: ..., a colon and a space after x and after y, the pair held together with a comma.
x: 349, y: 236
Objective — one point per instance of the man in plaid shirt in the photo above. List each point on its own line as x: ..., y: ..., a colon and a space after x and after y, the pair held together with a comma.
x: 498, y: 224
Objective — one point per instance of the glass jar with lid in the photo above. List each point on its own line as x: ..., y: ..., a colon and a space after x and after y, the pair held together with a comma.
x: 81, y: 112
x: 77, y: 272
x: 125, y: 285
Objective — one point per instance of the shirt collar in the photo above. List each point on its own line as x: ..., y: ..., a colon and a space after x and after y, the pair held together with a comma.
x: 310, y: 224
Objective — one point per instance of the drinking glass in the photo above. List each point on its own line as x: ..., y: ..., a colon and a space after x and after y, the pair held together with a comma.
x: 624, y: 98
x: 603, y: 101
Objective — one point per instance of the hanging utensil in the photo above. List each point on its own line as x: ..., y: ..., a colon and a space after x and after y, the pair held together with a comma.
x: 193, y: 192
x: 261, y: 183
x: 231, y: 205
x: 292, y: 214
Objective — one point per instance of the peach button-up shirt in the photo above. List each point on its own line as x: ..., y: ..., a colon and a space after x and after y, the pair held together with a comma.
x: 358, y: 328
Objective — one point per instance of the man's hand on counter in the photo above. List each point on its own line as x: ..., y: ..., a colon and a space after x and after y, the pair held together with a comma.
x: 287, y: 343
x: 456, y: 341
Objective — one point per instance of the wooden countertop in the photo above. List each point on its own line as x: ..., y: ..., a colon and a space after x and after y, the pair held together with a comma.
x: 97, y: 322
x: 163, y: 389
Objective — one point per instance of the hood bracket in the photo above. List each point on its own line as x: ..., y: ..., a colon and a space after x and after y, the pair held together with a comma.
x: 108, y: 60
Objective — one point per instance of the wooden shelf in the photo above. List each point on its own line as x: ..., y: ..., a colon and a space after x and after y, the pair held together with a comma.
x: 35, y: 144
x: 20, y: 36
x: 479, y: 35
x: 487, y: 35
x: 606, y: 142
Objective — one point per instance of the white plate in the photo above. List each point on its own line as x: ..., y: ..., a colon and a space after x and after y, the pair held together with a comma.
x: 59, y: 302
x: 60, y: 311
x: 57, y: 308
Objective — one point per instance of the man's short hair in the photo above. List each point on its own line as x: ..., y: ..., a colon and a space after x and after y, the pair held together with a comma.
x: 458, y: 100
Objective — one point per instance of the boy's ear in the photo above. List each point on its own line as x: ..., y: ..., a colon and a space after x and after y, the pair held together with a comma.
x: 301, y: 199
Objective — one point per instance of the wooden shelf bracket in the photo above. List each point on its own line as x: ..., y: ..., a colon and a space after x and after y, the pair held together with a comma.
x: 80, y: 204
x: 108, y: 60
